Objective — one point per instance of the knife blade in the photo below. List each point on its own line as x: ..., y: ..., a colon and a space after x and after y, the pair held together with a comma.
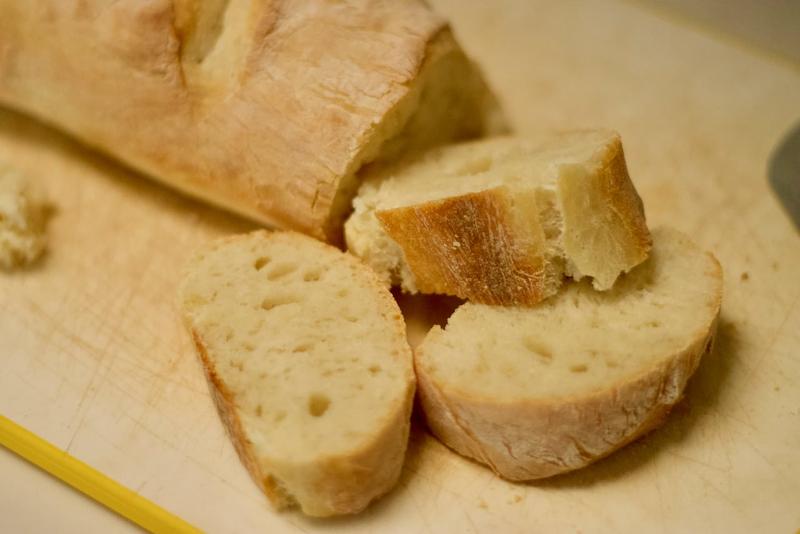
x: 784, y: 174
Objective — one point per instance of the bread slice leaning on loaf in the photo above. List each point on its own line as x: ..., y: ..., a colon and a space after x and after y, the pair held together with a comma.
x: 307, y: 360
x: 502, y: 221
x: 534, y: 392
x: 267, y: 108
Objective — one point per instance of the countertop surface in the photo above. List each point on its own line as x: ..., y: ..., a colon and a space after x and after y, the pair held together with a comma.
x: 97, y: 362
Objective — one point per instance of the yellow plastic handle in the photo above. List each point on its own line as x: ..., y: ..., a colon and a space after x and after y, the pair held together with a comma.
x: 88, y: 480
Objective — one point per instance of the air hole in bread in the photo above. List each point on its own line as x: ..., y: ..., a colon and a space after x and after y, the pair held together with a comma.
x: 303, y: 347
x: 261, y: 262
x: 342, y: 292
x: 281, y: 270
x: 259, y: 410
x: 280, y: 416
x: 538, y: 349
x: 195, y: 300
x: 374, y: 369
x: 273, y: 301
x: 652, y: 324
x: 475, y: 166
x: 312, y: 275
x: 318, y: 404
x: 580, y: 368
x: 256, y: 328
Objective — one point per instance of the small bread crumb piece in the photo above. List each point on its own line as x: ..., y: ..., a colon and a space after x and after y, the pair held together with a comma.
x: 22, y: 221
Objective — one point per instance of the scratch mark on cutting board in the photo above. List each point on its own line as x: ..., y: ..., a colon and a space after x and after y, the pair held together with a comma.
x: 420, y: 512
x: 694, y: 460
x: 202, y: 466
x: 469, y: 518
x: 724, y: 495
x: 46, y: 326
x: 75, y: 434
x: 778, y: 471
x: 657, y: 482
x: 726, y: 415
x: 102, y: 366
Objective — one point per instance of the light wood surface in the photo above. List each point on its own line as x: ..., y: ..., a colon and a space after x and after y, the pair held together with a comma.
x: 68, y: 511
x: 769, y: 24
x: 96, y: 361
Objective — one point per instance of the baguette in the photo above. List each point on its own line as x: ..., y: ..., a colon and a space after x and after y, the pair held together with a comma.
x: 307, y: 361
x: 267, y: 108
x: 502, y: 221
x: 534, y: 392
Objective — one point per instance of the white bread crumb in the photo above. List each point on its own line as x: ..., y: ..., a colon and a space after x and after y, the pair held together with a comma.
x: 22, y: 221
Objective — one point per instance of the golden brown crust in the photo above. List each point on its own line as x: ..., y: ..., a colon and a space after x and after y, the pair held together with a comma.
x: 537, y: 439
x: 266, y: 112
x: 471, y: 246
x: 626, y: 202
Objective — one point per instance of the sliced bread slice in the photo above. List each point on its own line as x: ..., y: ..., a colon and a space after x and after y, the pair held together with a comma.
x: 533, y: 392
x: 307, y: 361
x: 501, y: 221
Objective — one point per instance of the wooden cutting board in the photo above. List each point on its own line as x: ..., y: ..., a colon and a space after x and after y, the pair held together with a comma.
x: 94, y: 357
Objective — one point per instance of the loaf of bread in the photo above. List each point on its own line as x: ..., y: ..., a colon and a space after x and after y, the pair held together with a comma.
x: 268, y: 108
x: 502, y: 221
x: 533, y: 392
x: 22, y: 220
x: 307, y: 360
